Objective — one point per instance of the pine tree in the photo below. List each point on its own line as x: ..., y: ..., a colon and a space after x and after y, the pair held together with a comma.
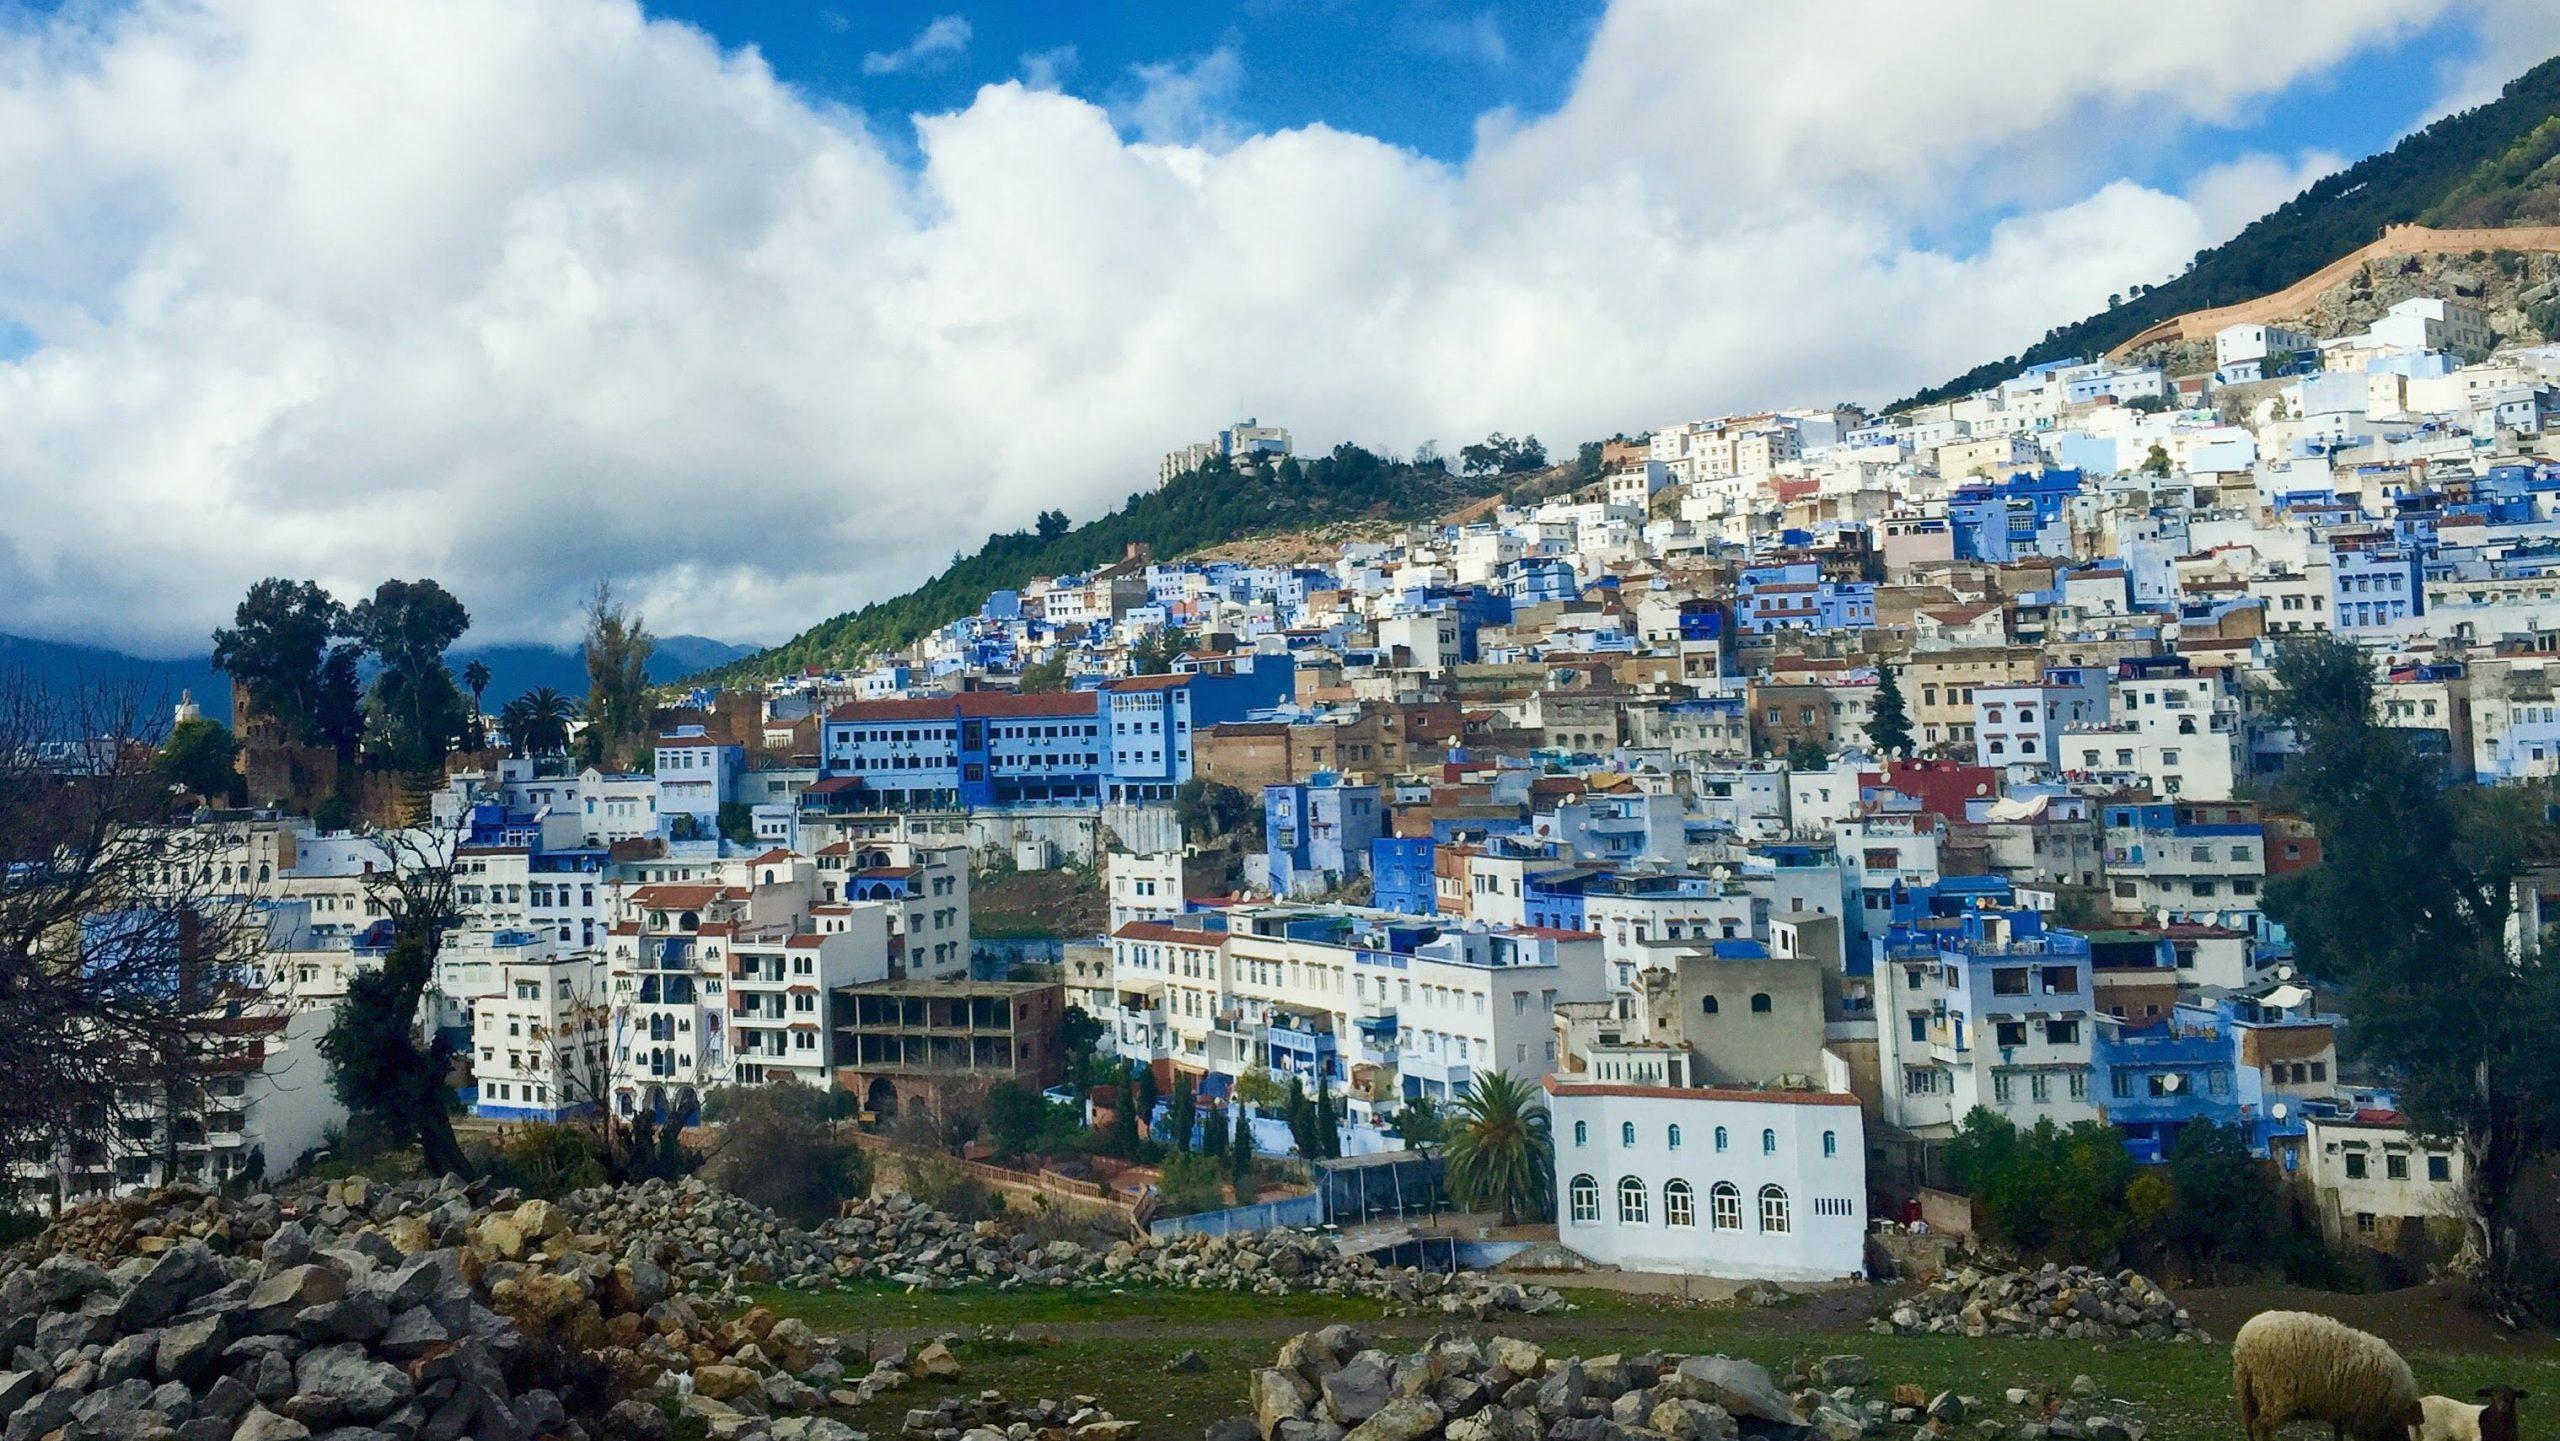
x: 1213, y: 1134
x: 1889, y: 729
x: 1179, y: 1116
x: 1301, y: 1118
x: 1328, y: 1120
x: 1124, y: 1120
x: 1240, y: 1156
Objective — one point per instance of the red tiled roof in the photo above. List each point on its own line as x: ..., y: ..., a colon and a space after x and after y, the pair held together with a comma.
x: 1159, y: 931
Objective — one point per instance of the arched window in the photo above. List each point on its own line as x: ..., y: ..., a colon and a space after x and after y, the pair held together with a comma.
x: 1585, y: 1194
x: 263, y: 871
x: 1773, y: 1208
x: 1679, y: 1208
x: 1708, y: 1005
x: 1631, y: 1202
x: 1831, y: 1143
x: 1721, y: 1138
x: 1673, y: 1136
x: 1759, y: 1003
x: 1582, y: 1133
x: 1724, y: 1206
x: 1626, y: 1133
x: 1768, y: 1143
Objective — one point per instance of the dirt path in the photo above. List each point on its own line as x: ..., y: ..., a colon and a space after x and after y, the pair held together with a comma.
x: 2421, y: 1319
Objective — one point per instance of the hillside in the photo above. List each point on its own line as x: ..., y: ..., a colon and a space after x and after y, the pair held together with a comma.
x: 1193, y: 512
x: 2498, y: 164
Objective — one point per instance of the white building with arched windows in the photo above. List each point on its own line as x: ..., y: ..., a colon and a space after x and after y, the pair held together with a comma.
x: 1766, y: 1185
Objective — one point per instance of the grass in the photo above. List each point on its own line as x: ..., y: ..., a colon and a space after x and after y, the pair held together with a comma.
x: 1114, y: 1346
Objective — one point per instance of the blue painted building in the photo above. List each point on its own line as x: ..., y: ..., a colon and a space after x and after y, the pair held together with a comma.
x: 1402, y: 874
x: 1318, y: 832
x: 2005, y: 520
x: 2373, y: 590
x: 2153, y: 1080
x: 1793, y: 596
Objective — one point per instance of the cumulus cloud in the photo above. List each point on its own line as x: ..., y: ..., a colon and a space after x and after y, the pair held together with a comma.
x: 516, y: 293
x: 1048, y: 69
x: 942, y: 38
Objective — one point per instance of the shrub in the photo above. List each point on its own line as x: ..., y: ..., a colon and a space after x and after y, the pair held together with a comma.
x: 549, y: 1161
x: 778, y: 1149
x: 1192, y: 1183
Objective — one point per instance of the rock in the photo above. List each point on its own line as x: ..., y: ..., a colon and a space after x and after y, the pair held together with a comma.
x: 1844, y: 1371
x: 1947, y: 1408
x: 1279, y: 1394
x: 724, y: 1382
x: 1740, y: 1387
x: 1406, y: 1418
x: 262, y: 1424
x: 1190, y: 1362
x: 2083, y: 1388
x: 935, y: 1363
x: 367, y: 1388
x: 282, y: 1297
x: 1358, y: 1389
x: 186, y: 1349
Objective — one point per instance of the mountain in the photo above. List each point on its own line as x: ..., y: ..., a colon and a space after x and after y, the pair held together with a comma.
x: 2497, y: 164
x: 64, y: 670
x: 1207, y: 507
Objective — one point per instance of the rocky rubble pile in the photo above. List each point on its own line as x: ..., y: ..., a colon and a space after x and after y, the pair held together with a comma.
x: 355, y: 1311
x: 2071, y: 1302
x: 987, y: 1416
x: 1332, y: 1385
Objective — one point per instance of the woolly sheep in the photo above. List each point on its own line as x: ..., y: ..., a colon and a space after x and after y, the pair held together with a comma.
x: 2294, y: 1365
x: 2441, y: 1418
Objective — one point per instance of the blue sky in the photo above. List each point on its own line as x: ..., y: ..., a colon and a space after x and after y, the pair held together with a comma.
x: 522, y: 293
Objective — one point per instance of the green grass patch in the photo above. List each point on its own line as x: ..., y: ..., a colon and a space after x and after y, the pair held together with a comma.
x: 1114, y: 1346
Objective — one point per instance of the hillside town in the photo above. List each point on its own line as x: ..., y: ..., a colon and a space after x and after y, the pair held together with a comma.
x: 1796, y: 789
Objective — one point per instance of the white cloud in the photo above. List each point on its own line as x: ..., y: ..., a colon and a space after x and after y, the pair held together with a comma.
x: 1477, y: 40
x: 1049, y: 69
x: 942, y: 38
x: 519, y: 292
x: 1183, y: 102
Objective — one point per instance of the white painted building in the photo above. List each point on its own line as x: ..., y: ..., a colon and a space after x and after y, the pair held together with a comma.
x: 1768, y: 1185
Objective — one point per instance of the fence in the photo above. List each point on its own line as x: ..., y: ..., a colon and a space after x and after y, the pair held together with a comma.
x: 1289, y: 1211
x: 1044, y: 1183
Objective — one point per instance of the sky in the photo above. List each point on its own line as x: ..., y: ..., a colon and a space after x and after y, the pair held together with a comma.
x: 765, y: 310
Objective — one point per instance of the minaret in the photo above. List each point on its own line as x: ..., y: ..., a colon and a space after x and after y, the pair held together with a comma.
x: 188, y: 710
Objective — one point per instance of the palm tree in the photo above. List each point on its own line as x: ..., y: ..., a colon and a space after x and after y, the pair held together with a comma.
x: 476, y: 676
x: 538, y: 721
x: 1498, y: 1150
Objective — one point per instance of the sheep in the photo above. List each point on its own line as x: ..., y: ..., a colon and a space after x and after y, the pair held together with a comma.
x: 2446, y: 1419
x: 2289, y: 1365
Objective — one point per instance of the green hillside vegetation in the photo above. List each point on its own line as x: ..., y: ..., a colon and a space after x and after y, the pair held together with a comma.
x: 1202, y: 508
x: 2488, y: 166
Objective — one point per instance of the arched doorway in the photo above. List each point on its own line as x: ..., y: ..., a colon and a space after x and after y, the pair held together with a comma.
x: 881, y: 1099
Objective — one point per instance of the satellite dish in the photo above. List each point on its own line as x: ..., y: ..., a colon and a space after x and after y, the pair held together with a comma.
x: 2276, y: 1111
x: 2173, y: 1082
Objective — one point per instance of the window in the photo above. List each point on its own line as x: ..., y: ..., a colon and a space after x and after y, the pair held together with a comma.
x: 1679, y: 1208
x: 1760, y: 1003
x: 1831, y: 1143
x: 2439, y: 1166
x: 1631, y: 1202
x: 1773, y: 1209
x: 1626, y: 1133
x: 2355, y: 1165
x: 2395, y: 1166
x: 1768, y: 1143
x: 1582, y: 1133
x: 1724, y: 1206
x: 1708, y: 1006
x: 1585, y: 1194
x: 1672, y: 1137
x: 2009, y: 1033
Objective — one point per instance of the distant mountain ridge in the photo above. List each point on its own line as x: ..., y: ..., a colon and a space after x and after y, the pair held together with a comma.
x: 2495, y: 165
x: 63, y: 669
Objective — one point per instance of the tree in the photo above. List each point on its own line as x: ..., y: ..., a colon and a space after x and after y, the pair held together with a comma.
x: 475, y: 677
x: 2409, y: 909
x: 1124, y: 1119
x: 1043, y: 677
x: 1181, y: 1113
x: 2046, y: 1189
x: 1499, y: 454
x: 618, y: 648
x: 1147, y: 1093
x: 377, y: 1064
x: 537, y: 722
x: 201, y: 757
x: 416, y: 709
x: 1258, y: 1088
x: 114, y: 937
x: 1052, y: 524
x: 274, y: 648
x: 339, y: 724
x: 1300, y: 1113
x: 1214, y: 1139
x: 2220, y: 1207
x: 1889, y: 725
x: 1015, y: 1113
x: 2157, y: 462
x: 1586, y: 460
x: 737, y: 823
x: 1806, y: 755
x: 1328, y: 1119
x: 778, y: 1148
x: 1498, y: 1151
x: 1190, y: 1185
x: 1422, y: 1122
x: 1240, y: 1157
